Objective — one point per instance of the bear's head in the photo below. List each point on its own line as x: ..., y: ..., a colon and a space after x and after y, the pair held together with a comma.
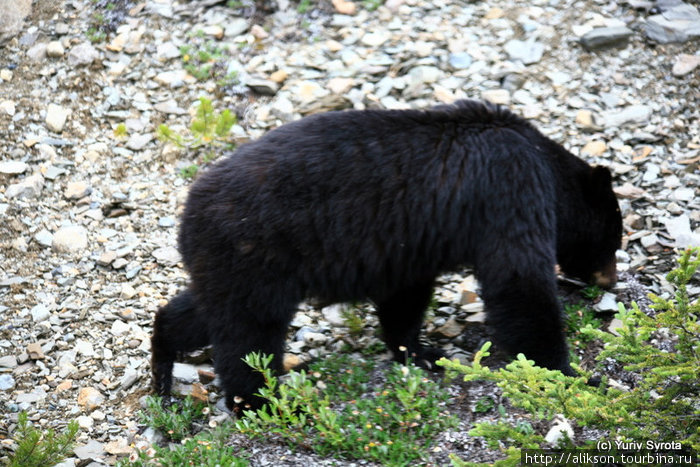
x: 590, y: 230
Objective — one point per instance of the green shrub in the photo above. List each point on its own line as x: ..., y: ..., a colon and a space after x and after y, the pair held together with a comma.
x: 176, y: 420
x: 661, y: 407
x: 40, y: 449
x: 209, y: 130
x: 392, y: 423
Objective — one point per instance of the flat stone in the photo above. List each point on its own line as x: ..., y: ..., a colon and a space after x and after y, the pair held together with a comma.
x: 13, y: 167
x: 679, y: 23
x: 35, y: 351
x: 375, y: 39
x: 169, y: 107
x: 138, y: 141
x: 594, y: 148
x: 528, y: 52
x: 603, y: 38
x: 92, y: 450
x: 460, y: 60
x: 634, y: 114
x: 264, y: 87
x: 8, y: 361
x: 185, y: 373
x: 608, y: 302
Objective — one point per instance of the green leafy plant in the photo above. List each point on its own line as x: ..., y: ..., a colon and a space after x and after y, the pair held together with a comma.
x: 176, y: 420
x: 393, y: 423
x: 201, y: 61
x: 577, y: 317
x: 661, y: 407
x: 207, y: 449
x: 209, y: 130
x: 372, y: 5
x: 484, y: 404
x: 120, y: 131
x: 353, y: 320
x: 39, y: 449
x: 592, y: 292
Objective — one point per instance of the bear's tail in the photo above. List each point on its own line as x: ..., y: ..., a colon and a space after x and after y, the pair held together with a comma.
x: 176, y: 329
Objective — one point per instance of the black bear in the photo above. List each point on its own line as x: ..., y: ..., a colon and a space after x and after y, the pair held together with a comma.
x: 374, y: 205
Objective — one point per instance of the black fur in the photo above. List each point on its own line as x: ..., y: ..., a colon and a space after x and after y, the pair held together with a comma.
x: 374, y: 205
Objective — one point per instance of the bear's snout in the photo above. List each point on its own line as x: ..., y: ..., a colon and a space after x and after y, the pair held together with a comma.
x: 606, y: 277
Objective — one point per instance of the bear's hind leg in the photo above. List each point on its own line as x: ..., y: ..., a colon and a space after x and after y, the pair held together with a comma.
x: 401, y: 317
x: 177, y: 328
x: 258, y: 326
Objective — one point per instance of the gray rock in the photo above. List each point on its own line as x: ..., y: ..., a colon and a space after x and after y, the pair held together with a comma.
x: 528, y: 52
x: 265, y: 87
x: 7, y: 382
x: 679, y: 229
x: 8, y: 361
x: 82, y: 54
x: 603, y: 38
x: 40, y: 313
x: 679, y: 23
x: 139, y: 141
x: 334, y: 314
x: 28, y: 188
x: 12, y: 18
x: 185, y: 373
x: 236, y: 27
x: 92, y: 450
x: 608, y: 302
x: 37, y: 52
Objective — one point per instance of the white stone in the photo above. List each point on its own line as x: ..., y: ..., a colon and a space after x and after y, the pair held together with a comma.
x: 13, y: 167
x: 167, y: 255
x: 185, y: 373
x: 55, y: 49
x: 70, y: 239
x: 7, y: 107
x: 608, y: 302
x: 560, y: 431
x: 56, y: 117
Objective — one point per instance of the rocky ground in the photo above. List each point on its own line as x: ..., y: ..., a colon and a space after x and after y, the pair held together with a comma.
x: 88, y: 216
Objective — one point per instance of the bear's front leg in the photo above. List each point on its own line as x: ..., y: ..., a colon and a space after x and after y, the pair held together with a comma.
x: 524, y: 312
x: 401, y: 316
